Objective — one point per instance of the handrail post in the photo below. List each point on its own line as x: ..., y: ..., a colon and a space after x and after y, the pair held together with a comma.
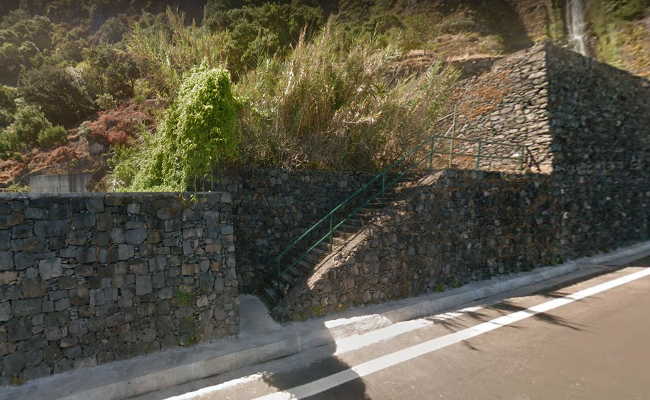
x: 478, y: 155
x: 451, y: 152
x: 431, y: 152
x: 331, y: 233
x: 383, y: 183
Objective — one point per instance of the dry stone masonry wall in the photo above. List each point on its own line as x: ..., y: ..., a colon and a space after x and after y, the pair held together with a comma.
x: 509, y: 104
x: 88, y: 279
x: 463, y: 226
x: 591, y: 123
x: 273, y: 207
x: 600, y: 122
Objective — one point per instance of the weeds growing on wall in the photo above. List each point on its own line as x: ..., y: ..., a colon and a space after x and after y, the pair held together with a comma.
x: 199, y: 132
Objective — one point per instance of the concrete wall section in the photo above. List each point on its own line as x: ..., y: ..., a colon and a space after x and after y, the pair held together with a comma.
x: 88, y: 279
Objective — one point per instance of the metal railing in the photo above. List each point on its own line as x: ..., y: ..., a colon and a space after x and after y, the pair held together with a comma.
x: 447, y: 148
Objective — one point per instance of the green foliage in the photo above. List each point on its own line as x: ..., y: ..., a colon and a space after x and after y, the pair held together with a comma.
x: 24, y: 42
x: 23, y: 133
x: 110, y: 71
x: 52, y: 136
x: 60, y: 93
x: 199, y: 132
x: 184, y: 299
x: 7, y: 106
x: 124, y: 166
x: 112, y: 31
x: 263, y: 30
x: 17, y: 188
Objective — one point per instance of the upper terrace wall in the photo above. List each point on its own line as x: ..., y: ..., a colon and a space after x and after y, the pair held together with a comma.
x: 509, y: 104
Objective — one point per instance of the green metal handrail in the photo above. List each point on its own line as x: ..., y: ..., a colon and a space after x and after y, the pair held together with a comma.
x: 387, y: 178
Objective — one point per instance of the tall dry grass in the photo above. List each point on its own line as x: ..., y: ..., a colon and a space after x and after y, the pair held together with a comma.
x: 167, y: 48
x: 332, y: 105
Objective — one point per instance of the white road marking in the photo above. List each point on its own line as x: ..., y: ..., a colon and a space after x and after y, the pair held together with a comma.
x: 343, y: 346
x: 216, y: 388
x: 409, y: 353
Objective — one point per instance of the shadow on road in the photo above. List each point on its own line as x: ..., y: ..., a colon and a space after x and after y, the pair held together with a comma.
x: 257, y: 321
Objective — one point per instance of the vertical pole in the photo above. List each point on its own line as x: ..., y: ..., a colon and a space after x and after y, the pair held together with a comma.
x: 331, y: 233
x: 431, y: 153
x: 523, y: 157
x: 478, y: 155
x: 451, y: 152
x: 383, y: 183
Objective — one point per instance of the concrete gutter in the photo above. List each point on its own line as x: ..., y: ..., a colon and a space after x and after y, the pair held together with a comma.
x: 141, y: 375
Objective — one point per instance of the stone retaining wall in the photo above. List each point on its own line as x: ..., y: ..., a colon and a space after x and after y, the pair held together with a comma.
x: 272, y: 207
x: 509, y: 104
x: 600, y: 124
x: 464, y: 226
x: 589, y: 125
x: 88, y: 279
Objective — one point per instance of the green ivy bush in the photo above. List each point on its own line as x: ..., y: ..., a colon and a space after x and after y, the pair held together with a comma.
x: 200, y: 132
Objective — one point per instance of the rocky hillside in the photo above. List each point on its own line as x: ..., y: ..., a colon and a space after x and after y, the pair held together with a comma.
x: 108, y: 59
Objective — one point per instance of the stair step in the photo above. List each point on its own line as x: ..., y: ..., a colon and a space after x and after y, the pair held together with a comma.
x: 306, y: 265
x: 286, y: 277
x: 271, y: 294
x: 295, y: 271
x: 350, y: 228
x: 314, y: 258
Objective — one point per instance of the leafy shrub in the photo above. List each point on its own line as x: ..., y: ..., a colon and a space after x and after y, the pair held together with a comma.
x: 112, y: 31
x: 24, y: 42
x: 110, y: 71
x: 263, y: 30
x: 59, y: 92
x: 124, y: 166
x: 199, y: 132
x: 7, y: 106
x: 106, y: 101
x: 22, y: 134
x: 52, y: 136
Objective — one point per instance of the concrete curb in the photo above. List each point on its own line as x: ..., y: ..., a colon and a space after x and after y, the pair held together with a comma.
x: 123, y: 379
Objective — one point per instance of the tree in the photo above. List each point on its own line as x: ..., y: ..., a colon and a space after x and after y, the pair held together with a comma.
x: 110, y: 71
x: 60, y: 92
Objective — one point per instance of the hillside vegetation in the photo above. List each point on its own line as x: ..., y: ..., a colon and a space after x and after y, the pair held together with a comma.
x: 151, y: 95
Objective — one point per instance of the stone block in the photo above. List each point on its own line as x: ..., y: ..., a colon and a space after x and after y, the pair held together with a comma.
x: 95, y: 205
x: 136, y: 236
x: 50, y: 268
x: 117, y: 235
x: 125, y: 252
x: 13, y: 364
x: 27, y: 307
x: 8, y: 277
x: 5, y: 311
x: 143, y: 285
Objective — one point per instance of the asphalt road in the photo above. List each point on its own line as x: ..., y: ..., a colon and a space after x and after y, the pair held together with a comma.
x: 596, y: 347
